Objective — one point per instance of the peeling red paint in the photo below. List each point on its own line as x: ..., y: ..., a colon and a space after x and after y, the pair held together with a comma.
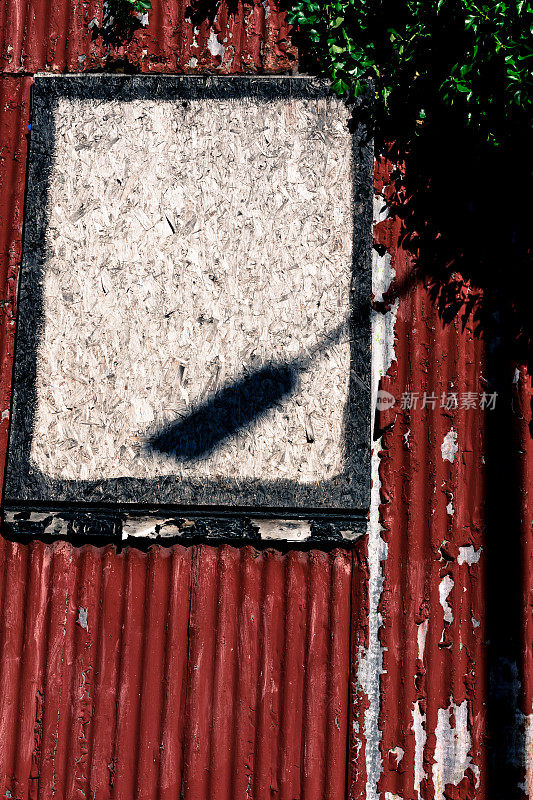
x: 69, y: 36
x: 130, y: 695
x: 423, y: 539
x: 14, y: 120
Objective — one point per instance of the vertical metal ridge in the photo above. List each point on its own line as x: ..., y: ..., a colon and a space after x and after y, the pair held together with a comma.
x: 357, y: 698
x: 14, y: 118
x: 337, y: 669
x: 114, y: 664
x: 32, y: 654
x: 248, y: 647
x: 283, y: 687
x: 176, y: 656
x: 130, y: 676
x: 151, y: 685
x: 200, y: 673
x: 296, y: 605
x: 106, y: 660
x: 14, y: 600
x: 524, y: 423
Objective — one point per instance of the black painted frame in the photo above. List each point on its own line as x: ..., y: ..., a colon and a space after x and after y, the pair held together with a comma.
x: 26, y: 488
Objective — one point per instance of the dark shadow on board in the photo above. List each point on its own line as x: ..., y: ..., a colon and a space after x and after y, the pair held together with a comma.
x: 228, y: 411
x: 234, y: 406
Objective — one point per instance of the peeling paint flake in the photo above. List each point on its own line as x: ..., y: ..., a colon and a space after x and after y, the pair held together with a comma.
x: 449, y: 447
x: 469, y: 555
x: 283, y: 529
x: 214, y: 46
x: 397, y: 753
x: 527, y: 785
x: 452, y: 750
x: 418, y: 727
x: 82, y: 618
x: 445, y: 587
x: 421, y: 635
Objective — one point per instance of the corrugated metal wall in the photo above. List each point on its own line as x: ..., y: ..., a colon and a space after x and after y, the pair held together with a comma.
x: 194, y: 672
x: 181, y: 36
x: 433, y: 687
x: 99, y: 687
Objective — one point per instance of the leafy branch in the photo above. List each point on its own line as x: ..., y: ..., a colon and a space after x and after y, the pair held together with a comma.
x: 474, y: 57
x: 123, y: 15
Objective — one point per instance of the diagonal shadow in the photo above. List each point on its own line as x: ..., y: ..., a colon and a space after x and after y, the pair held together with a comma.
x: 235, y: 406
x: 229, y: 410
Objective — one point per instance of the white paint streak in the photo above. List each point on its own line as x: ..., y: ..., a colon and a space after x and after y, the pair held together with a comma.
x: 418, y: 727
x: 371, y: 661
x: 527, y: 786
x: 449, y: 447
x: 469, y: 555
x: 445, y: 587
x: 452, y: 749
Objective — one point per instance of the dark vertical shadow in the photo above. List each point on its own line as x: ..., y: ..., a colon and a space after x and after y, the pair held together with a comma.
x: 465, y: 209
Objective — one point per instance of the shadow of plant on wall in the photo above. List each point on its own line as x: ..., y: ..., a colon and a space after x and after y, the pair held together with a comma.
x: 465, y: 212
x: 453, y: 113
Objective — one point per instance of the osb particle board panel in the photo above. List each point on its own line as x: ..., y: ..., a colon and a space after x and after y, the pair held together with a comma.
x: 193, y: 321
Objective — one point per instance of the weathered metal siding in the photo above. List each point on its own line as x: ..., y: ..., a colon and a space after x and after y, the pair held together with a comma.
x: 216, y: 672
x: 14, y: 120
x: 195, y: 672
x: 432, y: 715
x: 180, y: 36
x: 421, y: 702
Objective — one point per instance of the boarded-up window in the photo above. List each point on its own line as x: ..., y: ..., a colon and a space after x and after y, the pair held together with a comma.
x: 193, y: 312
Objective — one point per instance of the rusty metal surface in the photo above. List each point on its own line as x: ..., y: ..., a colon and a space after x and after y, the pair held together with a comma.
x: 181, y: 36
x: 97, y: 707
x: 196, y: 672
x: 432, y: 657
x: 418, y: 693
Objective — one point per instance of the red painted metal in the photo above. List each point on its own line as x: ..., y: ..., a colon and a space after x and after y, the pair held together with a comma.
x: 68, y: 35
x: 196, y: 672
x: 431, y: 507
x: 224, y: 671
x: 14, y: 120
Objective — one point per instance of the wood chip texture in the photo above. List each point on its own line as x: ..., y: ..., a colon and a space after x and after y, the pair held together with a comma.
x: 195, y: 279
